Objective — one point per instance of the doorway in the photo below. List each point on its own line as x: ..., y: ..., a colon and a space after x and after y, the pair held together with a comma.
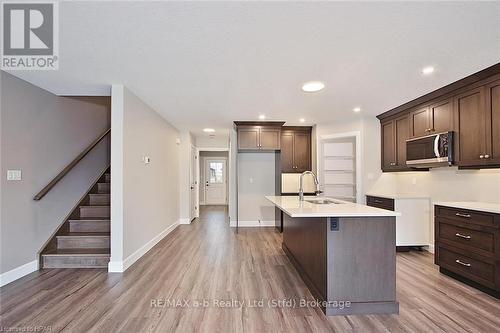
x: 339, y: 166
x: 214, y: 173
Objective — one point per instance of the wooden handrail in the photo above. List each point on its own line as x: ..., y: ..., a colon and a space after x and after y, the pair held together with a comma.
x: 70, y: 166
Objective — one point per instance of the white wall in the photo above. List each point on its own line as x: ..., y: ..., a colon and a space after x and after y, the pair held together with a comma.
x: 256, y: 179
x: 40, y: 133
x: 221, y: 140
x: 150, y: 206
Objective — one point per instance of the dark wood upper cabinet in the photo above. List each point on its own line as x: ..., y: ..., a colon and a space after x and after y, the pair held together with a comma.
x: 420, y: 125
x: 470, y: 124
x: 402, y: 131
x: 295, y: 149
x: 493, y: 123
x: 441, y: 116
x: 258, y: 136
x: 435, y: 118
x: 388, y: 145
x: 469, y: 107
x: 269, y: 138
x: 248, y: 138
x: 395, y: 132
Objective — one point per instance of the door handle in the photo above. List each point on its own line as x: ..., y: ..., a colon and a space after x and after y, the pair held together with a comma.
x: 463, y: 236
x: 436, y: 146
x: 462, y: 263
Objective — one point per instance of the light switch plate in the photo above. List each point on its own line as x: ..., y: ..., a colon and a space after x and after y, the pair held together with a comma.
x: 14, y: 175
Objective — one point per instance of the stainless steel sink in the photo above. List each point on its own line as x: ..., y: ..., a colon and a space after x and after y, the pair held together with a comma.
x: 322, y: 201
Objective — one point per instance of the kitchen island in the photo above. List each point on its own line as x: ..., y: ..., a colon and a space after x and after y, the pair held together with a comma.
x: 344, y: 252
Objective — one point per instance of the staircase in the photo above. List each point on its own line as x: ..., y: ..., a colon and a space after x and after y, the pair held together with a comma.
x: 83, y: 241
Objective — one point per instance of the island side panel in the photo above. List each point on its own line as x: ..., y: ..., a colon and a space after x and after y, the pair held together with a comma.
x: 304, y: 241
x: 362, y: 260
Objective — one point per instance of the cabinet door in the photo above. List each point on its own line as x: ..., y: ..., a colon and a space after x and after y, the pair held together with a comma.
x: 493, y: 123
x: 420, y: 122
x: 402, y: 132
x: 441, y: 116
x: 248, y: 138
x: 269, y: 138
x: 287, y: 164
x: 388, y: 146
x: 302, y: 151
x: 469, y: 111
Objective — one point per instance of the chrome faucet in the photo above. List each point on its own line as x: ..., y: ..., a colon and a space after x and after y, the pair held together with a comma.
x: 316, y: 182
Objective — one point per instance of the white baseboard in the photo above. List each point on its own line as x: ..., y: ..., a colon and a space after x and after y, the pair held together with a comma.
x: 184, y: 221
x: 257, y: 223
x: 18, y: 272
x: 430, y: 248
x: 122, y: 266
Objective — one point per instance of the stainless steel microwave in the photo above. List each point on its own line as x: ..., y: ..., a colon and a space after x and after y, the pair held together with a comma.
x: 430, y: 151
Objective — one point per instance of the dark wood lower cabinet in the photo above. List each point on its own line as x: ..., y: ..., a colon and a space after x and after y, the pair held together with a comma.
x: 467, y: 247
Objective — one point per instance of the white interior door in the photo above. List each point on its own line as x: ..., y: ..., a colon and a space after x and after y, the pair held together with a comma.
x: 215, y: 182
x: 193, y: 183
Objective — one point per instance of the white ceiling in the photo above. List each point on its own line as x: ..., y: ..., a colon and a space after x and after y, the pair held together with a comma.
x: 203, y: 64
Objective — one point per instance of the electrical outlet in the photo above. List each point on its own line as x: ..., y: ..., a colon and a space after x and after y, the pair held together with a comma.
x: 334, y: 224
x: 14, y: 175
x: 414, y: 181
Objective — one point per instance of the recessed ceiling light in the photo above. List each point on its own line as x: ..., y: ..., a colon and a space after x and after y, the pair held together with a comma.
x: 356, y: 109
x: 302, y: 120
x: 313, y: 86
x: 427, y: 70
x: 208, y: 130
x: 262, y: 117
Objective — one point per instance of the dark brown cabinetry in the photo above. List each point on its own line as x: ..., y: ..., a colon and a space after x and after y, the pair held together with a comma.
x: 467, y: 246
x: 395, y: 132
x: 470, y: 115
x: 478, y: 125
x: 435, y: 118
x: 254, y: 136
x: 295, y: 149
x: 469, y: 107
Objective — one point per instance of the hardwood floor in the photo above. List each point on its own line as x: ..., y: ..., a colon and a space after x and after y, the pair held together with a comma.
x: 207, y: 260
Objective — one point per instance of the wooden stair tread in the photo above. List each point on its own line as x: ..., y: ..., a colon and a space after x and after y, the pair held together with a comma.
x: 93, y: 206
x: 78, y: 252
x: 104, y: 219
x: 85, y: 234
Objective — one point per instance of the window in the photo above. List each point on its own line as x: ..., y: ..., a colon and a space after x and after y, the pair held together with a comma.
x: 216, y: 170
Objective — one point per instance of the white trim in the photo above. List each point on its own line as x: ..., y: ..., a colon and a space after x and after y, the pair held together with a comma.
x: 429, y: 248
x: 18, y: 272
x: 117, y: 115
x: 359, y: 158
x: 116, y: 266
x: 184, y: 221
x: 257, y: 223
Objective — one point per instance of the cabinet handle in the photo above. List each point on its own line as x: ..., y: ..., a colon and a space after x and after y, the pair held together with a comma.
x: 462, y: 263
x: 393, y: 163
x: 377, y: 201
x: 486, y: 156
x: 467, y: 216
x: 463, y: 236
x: 481, y: 156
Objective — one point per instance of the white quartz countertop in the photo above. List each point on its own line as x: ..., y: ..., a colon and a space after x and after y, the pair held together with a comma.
x: 292, y: 206
x: 472, y: 205
x: 397, y: 195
